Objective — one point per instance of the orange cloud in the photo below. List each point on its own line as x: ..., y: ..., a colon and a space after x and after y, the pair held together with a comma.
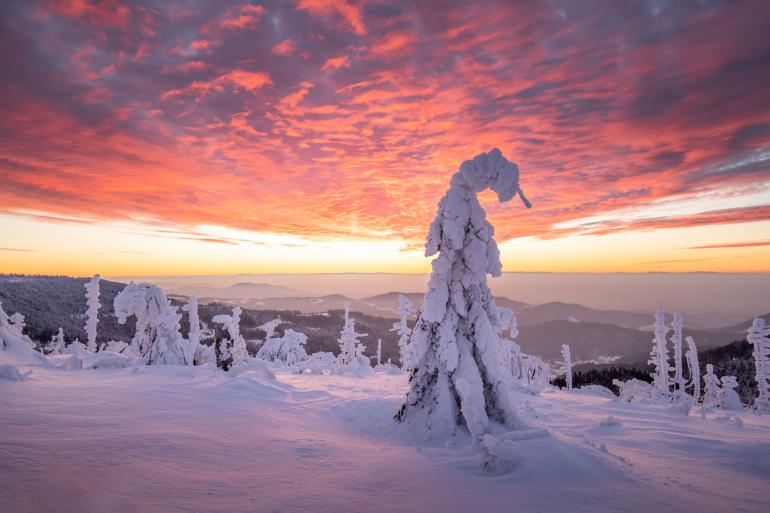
x: 213, y: 126
x: 336, y: 63
x: 349, y: 11
x: 239, y: 79
x: 244, y: 17
x: 284, y: 48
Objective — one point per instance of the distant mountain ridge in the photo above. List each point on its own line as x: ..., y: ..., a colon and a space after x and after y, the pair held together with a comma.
x: 593, y: 335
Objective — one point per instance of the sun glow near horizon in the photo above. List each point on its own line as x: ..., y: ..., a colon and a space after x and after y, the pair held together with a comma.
x: 133, y: 249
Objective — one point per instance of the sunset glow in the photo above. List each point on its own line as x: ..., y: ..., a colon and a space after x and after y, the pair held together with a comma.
x: 143, y: 138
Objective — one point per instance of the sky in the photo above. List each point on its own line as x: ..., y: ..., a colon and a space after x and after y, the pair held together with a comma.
x: 195, y: 137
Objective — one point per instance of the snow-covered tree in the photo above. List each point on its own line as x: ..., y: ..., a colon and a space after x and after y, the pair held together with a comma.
x: 567, y: 365
x: 379, y: 351
x: 676, y: 340
x: 351, y: 349
x: 17, y: 323
x: 693, y: 367
x: 537, y: 373
x: 270, y: 326
x: 289, y: 350
x: 510, y: 351
x: 192, y: 346
x: 758, y: 337
x: 659, y: 357
x: 12, y: 337
x: 405, y: 309
x: 92, y: 314
x: 712, y: 390
x: 729, y: 399
x: 56, y: 345
x: 458, y: 377
x: 157, y: 340
x: 235, y: 346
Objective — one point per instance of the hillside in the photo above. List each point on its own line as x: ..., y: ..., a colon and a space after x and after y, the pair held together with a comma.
x: 49, y: 302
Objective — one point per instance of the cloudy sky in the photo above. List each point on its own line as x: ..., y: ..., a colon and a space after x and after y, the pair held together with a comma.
x: 186, y: 137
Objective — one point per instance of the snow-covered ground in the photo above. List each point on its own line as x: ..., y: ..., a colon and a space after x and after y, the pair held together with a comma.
x: 193, y: 439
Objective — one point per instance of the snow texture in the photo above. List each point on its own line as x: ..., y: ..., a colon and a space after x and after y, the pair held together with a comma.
x: 458, y: 377
x: 166, y: 439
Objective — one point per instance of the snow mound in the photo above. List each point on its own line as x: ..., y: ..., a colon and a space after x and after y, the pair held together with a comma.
x: 11, y: 373
x: 107, y: 360
x: 254, y: 368
x: 596, y: 390
x: 323, y: 363
x: 499, y: 456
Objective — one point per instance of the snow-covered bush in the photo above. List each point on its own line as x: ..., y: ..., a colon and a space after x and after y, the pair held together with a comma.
x: 567, y: 365
x: 233, y: 349
x: 712, y: 390
x: 117, y: 346
x: 92, y: 314
x: 693, y: 367
x: 659, y: 358
x: 458, y: 377
x: 14, y: 341
x: 634, y: 390
x: 56, y: 345
x: 351, y: 350
x: 537, y: 373
x: 288, y: 350
x: 499, y: 455
x: 323, y: 362
x: 729, y: 399
x: 758, y: 337
x: 405, y: 309
x: 253, y: 367
x: 682, y: 405
x: 158, y: 340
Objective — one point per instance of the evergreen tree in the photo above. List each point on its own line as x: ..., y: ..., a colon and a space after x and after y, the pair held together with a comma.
x: 659, y: 358
x: 758, y: 337
x: 458, y: 377
x: 567, y: 365
x: 92, y: 314
x: 401, y: 327
x: 712, y: 390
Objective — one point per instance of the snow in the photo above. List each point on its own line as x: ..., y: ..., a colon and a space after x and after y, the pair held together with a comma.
x: 195, y: 439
